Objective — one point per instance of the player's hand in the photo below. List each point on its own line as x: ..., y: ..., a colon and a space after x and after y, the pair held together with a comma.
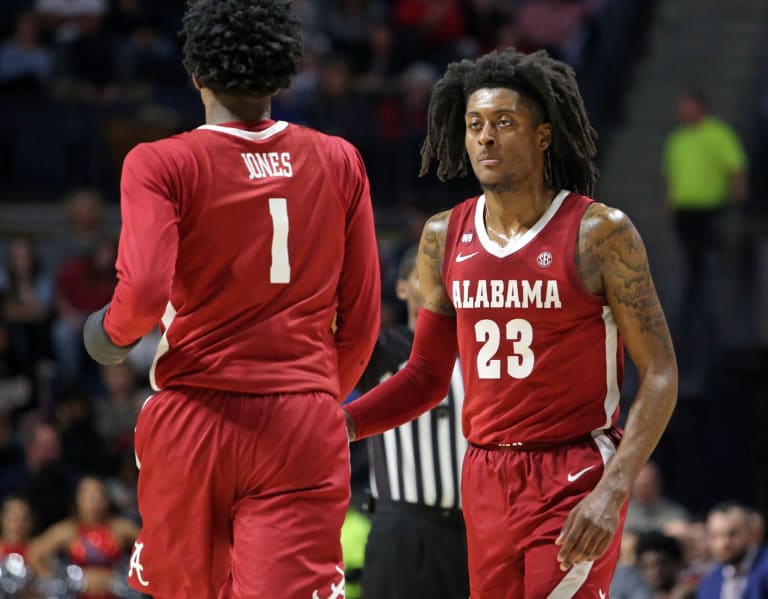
x: 589, y: 529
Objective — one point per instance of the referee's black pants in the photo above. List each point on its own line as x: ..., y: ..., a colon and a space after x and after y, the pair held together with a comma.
x: 416, y: 551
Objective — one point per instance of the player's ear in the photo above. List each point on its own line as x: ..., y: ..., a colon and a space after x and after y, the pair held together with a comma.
x: 196, y: 83
x: 544, y: 132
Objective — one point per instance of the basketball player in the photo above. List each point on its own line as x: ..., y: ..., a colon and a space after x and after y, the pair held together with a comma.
x: 541, y: 288
x: 244, y: 237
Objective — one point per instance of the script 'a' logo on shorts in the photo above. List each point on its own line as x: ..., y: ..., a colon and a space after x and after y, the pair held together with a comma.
x: 135, y: 564
x: 337, y: 589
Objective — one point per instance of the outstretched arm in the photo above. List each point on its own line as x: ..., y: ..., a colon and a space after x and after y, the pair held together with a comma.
x: 612, y: 261
x: 426, y: 377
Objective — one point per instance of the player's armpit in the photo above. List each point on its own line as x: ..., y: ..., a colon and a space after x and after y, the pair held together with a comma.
x: 98, y: 343
x: 430, y: 265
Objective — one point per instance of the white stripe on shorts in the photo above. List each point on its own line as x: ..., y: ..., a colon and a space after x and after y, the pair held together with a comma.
x: 571, y: 582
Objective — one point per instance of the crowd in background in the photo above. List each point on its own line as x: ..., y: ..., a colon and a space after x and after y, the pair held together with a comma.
x: 669, y: 553
x: 82, y: 81
x: 106, y: 75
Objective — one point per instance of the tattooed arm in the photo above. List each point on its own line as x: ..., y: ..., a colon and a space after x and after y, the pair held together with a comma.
x: 611, y: 260
x: 430, y: 265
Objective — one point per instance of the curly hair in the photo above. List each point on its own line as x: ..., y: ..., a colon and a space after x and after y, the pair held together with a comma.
x: 242, y: 47
x: 547, y: 85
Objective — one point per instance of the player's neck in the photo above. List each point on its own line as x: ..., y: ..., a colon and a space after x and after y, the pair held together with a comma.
x: 222, y: 108
x: 511, y: 213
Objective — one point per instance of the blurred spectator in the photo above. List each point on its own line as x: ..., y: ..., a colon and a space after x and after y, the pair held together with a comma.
x: 704, y: 164
x: 40, y: 476
x: 15, y: 526
x: 648, y: 508
x: 27, y: 292
x: 84, y: 284
x: 84, y: 225
x: 628, y: 583
x: 92, y: 539
x: 83, y: 449
x: 660, y: 560
x: 742, y: 565
x: 25, y: 63
x: 118, y: 409
x: 692, y: 537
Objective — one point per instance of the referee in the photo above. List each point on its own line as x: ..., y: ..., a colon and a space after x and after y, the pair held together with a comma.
x: 417, y: 543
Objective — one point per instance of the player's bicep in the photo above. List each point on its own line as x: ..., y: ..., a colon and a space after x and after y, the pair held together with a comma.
x: 631, y: 294
x: 149, y: 236
x: 435, y: 296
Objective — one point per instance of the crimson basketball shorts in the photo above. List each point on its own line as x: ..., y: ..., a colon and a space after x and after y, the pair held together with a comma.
x: 515, y: 503
x: 240, y: 496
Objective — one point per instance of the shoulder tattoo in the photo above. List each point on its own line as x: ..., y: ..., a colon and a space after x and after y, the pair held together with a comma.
x: 431, y: 254
x: 610, y: 248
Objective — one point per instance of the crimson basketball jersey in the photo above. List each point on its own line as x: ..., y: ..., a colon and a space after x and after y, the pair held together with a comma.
x: 246, y: 240
x: 541, y: 356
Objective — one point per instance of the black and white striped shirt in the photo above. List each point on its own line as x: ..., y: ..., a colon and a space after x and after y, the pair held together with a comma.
x: 418, y: 462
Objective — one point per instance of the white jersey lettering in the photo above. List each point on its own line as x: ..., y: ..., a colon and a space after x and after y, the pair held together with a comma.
x: 540, y: 294
x: 269, y: 164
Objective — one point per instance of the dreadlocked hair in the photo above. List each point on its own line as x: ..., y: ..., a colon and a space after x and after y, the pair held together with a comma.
x: 242, y: 47
x: 548, y: 85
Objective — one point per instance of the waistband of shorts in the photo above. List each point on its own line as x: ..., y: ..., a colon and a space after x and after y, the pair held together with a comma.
x: 430, y: 512
x: 613, y: 433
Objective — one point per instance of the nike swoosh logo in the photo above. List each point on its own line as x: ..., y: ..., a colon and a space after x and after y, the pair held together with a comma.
x: 579, y: 474
x: 460, y: 258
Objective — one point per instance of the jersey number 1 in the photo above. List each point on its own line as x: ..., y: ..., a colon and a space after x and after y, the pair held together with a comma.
x: 280, y: 271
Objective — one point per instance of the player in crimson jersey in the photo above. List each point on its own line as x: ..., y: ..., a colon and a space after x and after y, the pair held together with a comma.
x: 245, y: 238
x: 541, y: 288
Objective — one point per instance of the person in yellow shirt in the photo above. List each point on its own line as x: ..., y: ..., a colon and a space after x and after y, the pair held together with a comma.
x: 705, y: 168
